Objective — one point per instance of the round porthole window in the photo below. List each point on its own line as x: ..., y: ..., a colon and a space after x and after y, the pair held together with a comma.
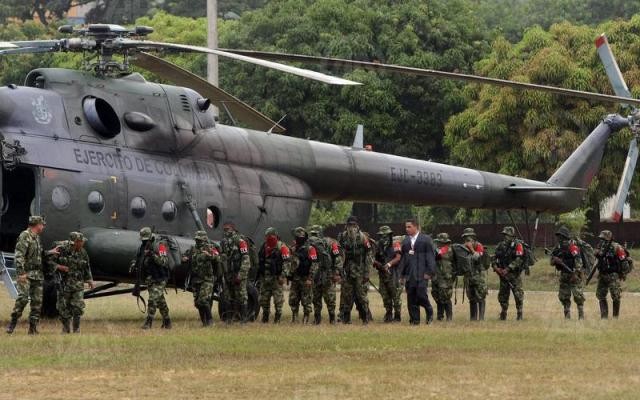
x: 169, y: 210
x: 95, y: 201
x: 60, y: 198
x: 138, y: 207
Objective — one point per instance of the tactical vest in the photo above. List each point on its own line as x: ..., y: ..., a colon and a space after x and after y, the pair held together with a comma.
x: 232, y: 253
x: 505, y: 253
x: 565, y: 255
x: 304, y: 262
x: 609, y: 261
x: 272, y: 263
x: 354, y: 251
x: 157, y: 272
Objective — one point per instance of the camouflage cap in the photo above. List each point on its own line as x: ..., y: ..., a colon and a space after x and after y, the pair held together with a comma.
x: 271, y: 231
x: 564, y: 232
x: 442, y: 238
x: 352, y: 220
x: 509, y: 231
x: 35, y: 220
x: 315, y: 230
x: 201, y: 235
x: 385, y: 230
x: 145, y: 233
x: 76, y: 236
x: 606, y: 235
x: 299, y: 232
x: 468, y: 232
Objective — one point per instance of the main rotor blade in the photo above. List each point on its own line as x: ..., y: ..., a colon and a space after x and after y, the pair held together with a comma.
x: 625, y: 181
x: 611, y: 67
x: 221, y: 99
x: 305, y: 73
x: 433, y: 73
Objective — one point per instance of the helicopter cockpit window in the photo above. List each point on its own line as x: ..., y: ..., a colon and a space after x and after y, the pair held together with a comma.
x: 138, y: 207
x: 95, y: 201
x: 169, y: 210
x: 101, y: 117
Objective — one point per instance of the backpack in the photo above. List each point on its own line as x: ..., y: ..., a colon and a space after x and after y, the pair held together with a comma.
x: 587, y: 255
x: 461, y: 261
x: 253, y: 258
x: 323, y: 249
x: 626, y: 268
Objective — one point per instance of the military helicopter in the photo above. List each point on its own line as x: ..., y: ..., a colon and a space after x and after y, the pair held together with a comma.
x: 103, y: 151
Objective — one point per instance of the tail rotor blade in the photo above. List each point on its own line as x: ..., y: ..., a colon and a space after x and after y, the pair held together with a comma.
x: 625, y: 181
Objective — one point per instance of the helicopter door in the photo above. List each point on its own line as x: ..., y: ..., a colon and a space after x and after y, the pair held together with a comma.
x: 19, y: 201
x: 119, y: 210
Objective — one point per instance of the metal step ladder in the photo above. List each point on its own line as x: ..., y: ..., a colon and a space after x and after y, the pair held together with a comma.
x: 8, y: 273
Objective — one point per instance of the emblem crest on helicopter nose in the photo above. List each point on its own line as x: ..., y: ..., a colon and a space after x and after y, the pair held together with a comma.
x: 41, y: 111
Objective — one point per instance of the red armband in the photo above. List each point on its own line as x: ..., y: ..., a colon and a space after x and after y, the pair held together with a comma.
x: 574, y: 249
x: 313, y: 255
x: 519, y: 250
x: 397, y: 247
x: 335, y: 249
x: 621, y: 253
x: 244, y: 248
x: 479, y: 249
x: 284, y: 250
x: 162, y: 249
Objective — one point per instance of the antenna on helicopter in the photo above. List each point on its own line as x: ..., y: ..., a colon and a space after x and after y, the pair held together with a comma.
x: 620, y: 88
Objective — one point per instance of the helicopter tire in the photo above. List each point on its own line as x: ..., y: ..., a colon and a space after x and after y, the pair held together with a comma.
x: 225, y: 308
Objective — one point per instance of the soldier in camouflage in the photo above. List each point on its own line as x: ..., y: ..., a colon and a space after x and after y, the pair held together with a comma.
x: 71, y: 265
x: 509, y: 263
x: 273, y: 267
x: 387, y: 259
x: 204, y: 268
x: 475, y: 278
x: 567, y: 260
x: 613, y: 265
x: 236, y: 271
x: 301, y: 276
x: 155, y: 269
x: 358, y: 260
x: 442, y: 283
x: 28, y: 263
x: 328, y: 274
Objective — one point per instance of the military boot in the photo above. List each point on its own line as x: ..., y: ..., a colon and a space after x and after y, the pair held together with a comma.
x: 12, y: 324
x: 473, y: 311
x: 66, y: 327
x: 166, y: 323
x: 364, y: 317
x: 396, y: 316
x: 277, y: 317
x: 33, y: 327
x: 305, y: 318
x: 317, y: 318
x: 448, y: 309
x: 604, y: 309
x: 203, y: 316
x: 76, y: 324
x: 567, y: 312
x: 616, y: 308
x: 294, y: 316
x: 481, y: 308
x: 503, y: 314
x: 440, y: 311
x: 388, y: 316
x: 147, y: 322
x: 346, y: 318
x: 209, y: 316
x: 332, y: 317
x: 265, y: 315
x: 580, y: 312
x: 519, y: 314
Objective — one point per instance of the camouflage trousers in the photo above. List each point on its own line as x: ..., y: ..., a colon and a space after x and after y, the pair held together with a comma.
x: 156, y: 299
x: 571, y: 284
x: 442, y: 291
x: 353, y: 290
x: 476, y: 285
x: 29, y: 292
x: 324, y: 289
x: 609, y: 283
x: 269, y: 287
x: 70, y: 302
x: 236, y: 294
x: 299, y: 293
x: 512, y: 282
x: 391, y: 292
x: 202, y: 293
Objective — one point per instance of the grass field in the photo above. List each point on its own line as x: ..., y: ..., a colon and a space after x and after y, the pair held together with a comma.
x: 543, y: 357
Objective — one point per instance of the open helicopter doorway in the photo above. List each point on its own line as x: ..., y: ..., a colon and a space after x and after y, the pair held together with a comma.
x: 18, y: 201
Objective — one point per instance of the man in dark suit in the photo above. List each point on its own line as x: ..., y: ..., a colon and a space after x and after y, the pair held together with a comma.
x: 418, y: 266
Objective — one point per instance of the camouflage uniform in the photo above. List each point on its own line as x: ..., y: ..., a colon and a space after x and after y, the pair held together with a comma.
x: 387, y: 259
x: 273, y: 266
x: 236, y: 272
x: 301, y: 276
x: 358, y: 259
x: 510, y: 262
x: 567, y: 260
x: 475, y: 278
x: 442, y: 282
x: 204, y: 260
x: 329, y: 268
x: 155, y: 269
x: 613, y: 264
x: 70, y: 302
x: 28, y: 261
